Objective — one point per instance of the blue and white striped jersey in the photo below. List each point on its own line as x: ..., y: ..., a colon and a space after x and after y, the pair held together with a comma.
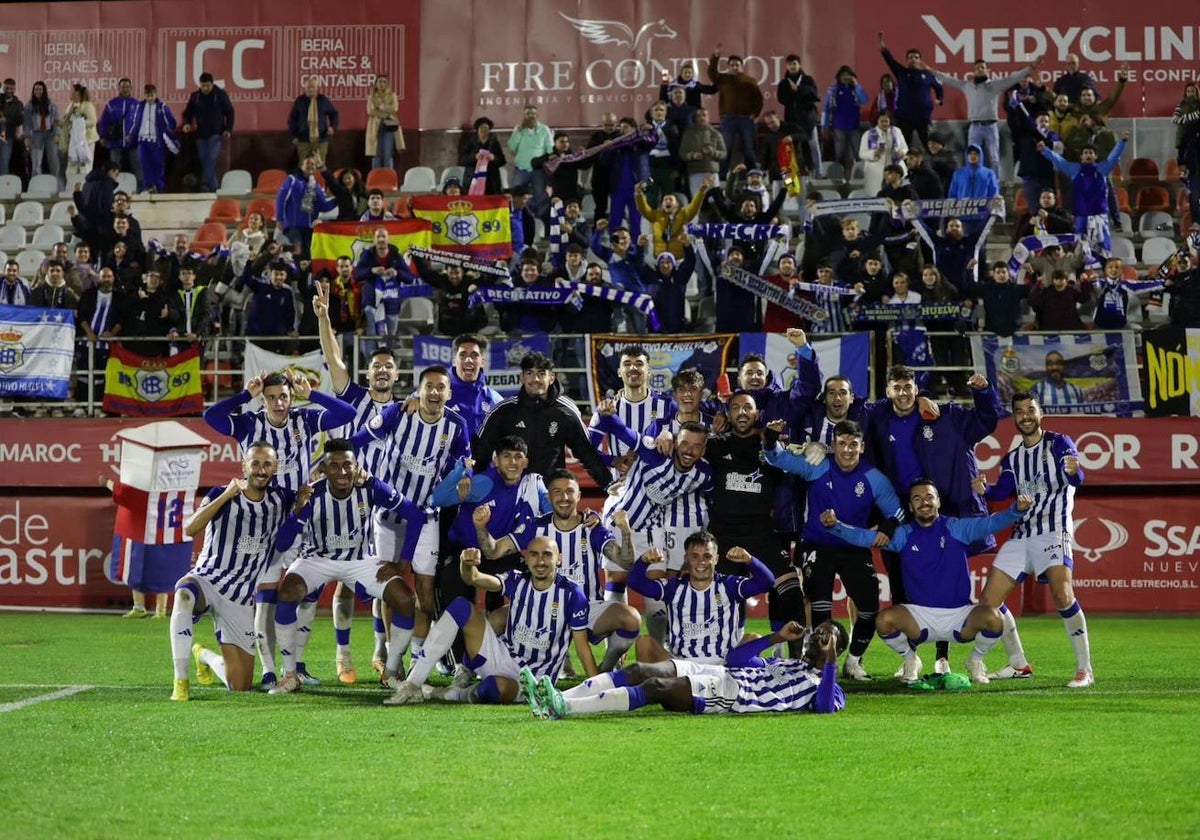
x: 581, y: 550
x: 636, y: 416
x: 1038, y: 471
x: 1054, y: 396
x: 781, y: 685
x: 240, y: 541
x: 343, y: 529
x: 422, y: 453
x: 540, y: 624
x: 653, y: 484
x: 376, y: 456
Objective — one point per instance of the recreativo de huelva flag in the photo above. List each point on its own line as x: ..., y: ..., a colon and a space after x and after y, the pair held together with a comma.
x: 145, y: 387
x: 349, y: 239
x: 475, y: 225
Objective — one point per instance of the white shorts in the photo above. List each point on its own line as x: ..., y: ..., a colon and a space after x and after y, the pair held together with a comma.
x: 495, y: 659
x: 280, y: 560
x: 318, y: 571
x: 596, y: 609
x: 234, y: 622
x: 389, y: 538
x: 1023, y: 556
x: 939, y: 623
x: 644, y: 539
x: 711, y: 682
x: 673, y: 537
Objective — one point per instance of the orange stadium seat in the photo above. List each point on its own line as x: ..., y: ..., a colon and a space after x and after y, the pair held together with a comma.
x: 1182, y: 205
x: 1123, y: 200
x: 1171, y: 173
x: 383, y: 179
x: 1153, y: 198
x: 1143, y: 171
x: 1020, y: 205
x: 265, y: 206
x: 270, y: 180
x: 210, y: 234
x: 226, y: 210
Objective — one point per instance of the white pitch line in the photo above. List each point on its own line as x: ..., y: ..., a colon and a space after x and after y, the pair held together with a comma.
x: 42, y: 698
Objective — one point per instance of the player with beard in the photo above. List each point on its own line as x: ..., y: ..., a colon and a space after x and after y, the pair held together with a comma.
x: 635, y: 405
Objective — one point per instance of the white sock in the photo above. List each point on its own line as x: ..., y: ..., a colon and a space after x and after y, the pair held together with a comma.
x: 656, y: 620
x: 343, y: 615
x: 287, y: 636
x: 594, y: 685
x: 456, y: 695
x: 381, y: 639
x: 897, y: 642
x: 215, y: 661
x: 613, y: 700
x: 306, y: 616
x: 1076, y: 626
x: 414, y: 647
x: 983, y: 644
x: 617, y: 645
x: 1012, y: 640
x: 181, y: 632
x: 399, y: 644
x: 264, y: 636
x: 619, y: 596
x: 437, y: 644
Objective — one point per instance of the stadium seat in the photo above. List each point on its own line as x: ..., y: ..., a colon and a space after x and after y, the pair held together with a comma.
x: 1123, y: 248
x: 265, y: 206
x: 3, y: 257
x: 403, y: 207
x: 1020, y: 205
x: 270, y: 180
x: 1154, y: 223
x: 383, y: 179
x: 1123, y: 200
x: 12, y: 237
x: 1182, y: 202
x: 236, y: 182
x: 418, y: 311
x: 47, y: 236
x: 127, y: 182
x: 419, y: 179
x: 588, y: 206
x: 10, y: 187
x: 857, y: 172
x: 831, y: 170
x: 29, y: 214
x: 1117, y: 176
x: 1185, y: 223
x: 859, y: 192
x: 210, y: 234
x: 58, y: 213
x: 1126, y: 222
x: 30, y: 261
x: 1171, y: 171
x: 503, y: 177
x: 1156, y: 250
x: 3, y: 214
x: 1143, y: 171
x: 456, y: 172
x: 41, y: 186
x: 225, y: 210
x: 825, y: 195
x: 1153, y: 198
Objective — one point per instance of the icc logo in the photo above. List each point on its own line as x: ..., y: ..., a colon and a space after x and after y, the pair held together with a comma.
x: 189, y: 67
x: 1117, y: 537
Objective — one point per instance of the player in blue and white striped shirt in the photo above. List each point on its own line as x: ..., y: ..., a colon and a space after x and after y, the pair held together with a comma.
x: 377, y: 458
x: 240, y: 523
x: 1046, y: 467
x: 546, y: 613
x: 294, y: 433
x: 636, y: 405
x: 748, y: 684
x: 705, y: 616
x: 336, y: 517
x: 1055, y: 392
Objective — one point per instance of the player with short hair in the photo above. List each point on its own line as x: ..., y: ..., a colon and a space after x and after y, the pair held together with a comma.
x: 335, y: 518
x: 1045, y: 465
x: 294, y: 435
x: 937, y: 578
x: 546, y: 614
x: 240, y: 522
x: 470, y: 395
x: 747, y: 684
x: 636, y: 404
x: 704, y: 609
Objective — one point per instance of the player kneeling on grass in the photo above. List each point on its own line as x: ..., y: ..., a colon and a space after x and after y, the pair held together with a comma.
x: 240, y: 523
x: 937, y: 579
x: 546, y: 613
x: 746, y: 684
x: 336, y: 517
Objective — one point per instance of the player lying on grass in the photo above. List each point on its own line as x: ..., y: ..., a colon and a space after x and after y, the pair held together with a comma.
x: 746, y: 684
x: 937, y: 579
x: 546, y: 612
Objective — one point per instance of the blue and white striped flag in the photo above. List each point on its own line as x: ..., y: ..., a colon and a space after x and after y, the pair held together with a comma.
x: 849, y: 355
x: 37, y: 348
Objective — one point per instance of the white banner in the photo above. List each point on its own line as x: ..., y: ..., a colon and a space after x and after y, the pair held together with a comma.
x: 312, y: 365
x: 37, y: 348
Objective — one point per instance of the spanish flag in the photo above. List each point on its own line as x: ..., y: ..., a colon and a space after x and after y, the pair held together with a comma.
x: 475, y: 225
x: 349, y: 239
x: 142, y: 387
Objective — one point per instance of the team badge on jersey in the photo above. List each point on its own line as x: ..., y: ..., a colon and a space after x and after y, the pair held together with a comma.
x: 553, y: 430
x: 376, y: 421
x: 859, y: 489
x: 927, y: 432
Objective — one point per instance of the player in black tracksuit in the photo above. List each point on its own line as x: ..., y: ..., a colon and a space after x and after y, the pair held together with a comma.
x: 740, y: 509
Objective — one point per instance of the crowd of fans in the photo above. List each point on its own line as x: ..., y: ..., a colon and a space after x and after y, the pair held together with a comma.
x: 616, y: 210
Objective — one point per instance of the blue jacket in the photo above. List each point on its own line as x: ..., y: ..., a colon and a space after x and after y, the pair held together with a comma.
x: 915, y: 90
x: 974, y: 180
x: 841, y: 107
x: 112, y: 121
x: 1089, y: 181
x: 164, y: 125
x: 623, y: 272
x: 288, y: 201
x: 327, y: 118
x: 945, y: 450
x: 472, y: 400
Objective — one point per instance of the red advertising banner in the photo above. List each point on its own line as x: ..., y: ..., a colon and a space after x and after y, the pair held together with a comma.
x: 70, y: 453
x: 261, y: 54
x: 1114, y: 450
x: 577, y: 59
x: 1159, y: 47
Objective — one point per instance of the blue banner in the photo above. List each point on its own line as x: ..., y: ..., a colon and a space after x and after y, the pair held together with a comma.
x: 710, y: 354
x: 1072, y: 373
x: 37, y: 349
x: 849, y: 355
x: 503, y: 365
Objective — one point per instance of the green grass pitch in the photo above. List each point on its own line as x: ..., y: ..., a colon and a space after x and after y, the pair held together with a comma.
x: 1016, y: 759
